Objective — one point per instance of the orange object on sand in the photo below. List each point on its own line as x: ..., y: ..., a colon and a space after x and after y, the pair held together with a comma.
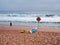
x: 25, y: 31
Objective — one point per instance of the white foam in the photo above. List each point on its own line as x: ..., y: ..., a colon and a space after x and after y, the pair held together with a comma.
x: 26, y: 19
x: 50, y: 19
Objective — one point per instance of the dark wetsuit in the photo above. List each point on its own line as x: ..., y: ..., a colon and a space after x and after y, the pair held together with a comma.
x: 10, y: 23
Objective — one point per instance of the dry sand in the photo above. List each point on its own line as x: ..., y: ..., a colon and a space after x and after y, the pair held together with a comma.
x: 43, y: 36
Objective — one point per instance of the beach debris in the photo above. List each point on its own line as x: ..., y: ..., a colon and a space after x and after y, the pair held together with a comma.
x: 33, y: 30
x: 25, y: 31
x: 29, y: 31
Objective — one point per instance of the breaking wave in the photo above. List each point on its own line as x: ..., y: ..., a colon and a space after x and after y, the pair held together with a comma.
x: 29, y: 18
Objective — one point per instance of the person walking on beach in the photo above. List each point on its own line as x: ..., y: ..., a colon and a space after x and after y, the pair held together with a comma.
x: 10, y: 23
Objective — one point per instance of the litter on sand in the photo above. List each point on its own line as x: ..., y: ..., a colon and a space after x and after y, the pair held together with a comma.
x: 33, y: 30
x: 29, y: 31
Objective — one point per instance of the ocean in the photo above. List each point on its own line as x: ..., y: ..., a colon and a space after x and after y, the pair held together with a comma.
x: 51, y: 18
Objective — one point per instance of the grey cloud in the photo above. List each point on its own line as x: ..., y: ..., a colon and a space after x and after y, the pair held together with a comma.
x: 30, y: 4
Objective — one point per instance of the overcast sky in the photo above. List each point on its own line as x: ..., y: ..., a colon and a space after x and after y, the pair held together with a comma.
x: 30, y: 5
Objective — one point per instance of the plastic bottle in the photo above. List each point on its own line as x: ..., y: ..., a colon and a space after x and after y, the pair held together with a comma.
x: 33, y: 30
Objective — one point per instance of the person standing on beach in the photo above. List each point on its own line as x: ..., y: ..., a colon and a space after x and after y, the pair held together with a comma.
x: 10, y: 23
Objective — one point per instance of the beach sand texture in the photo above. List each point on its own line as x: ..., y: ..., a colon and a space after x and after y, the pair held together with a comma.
x: 13, y: 36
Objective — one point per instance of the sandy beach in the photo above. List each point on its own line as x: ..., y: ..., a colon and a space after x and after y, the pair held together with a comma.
x: 43, y: 36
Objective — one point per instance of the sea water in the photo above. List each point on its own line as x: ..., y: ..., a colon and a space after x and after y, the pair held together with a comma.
x: 48, y: 18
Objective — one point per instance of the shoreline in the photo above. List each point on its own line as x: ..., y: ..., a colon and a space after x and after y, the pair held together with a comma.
x: 19, y: 28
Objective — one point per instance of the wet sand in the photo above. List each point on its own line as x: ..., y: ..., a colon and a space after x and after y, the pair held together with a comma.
x: 43, y: 36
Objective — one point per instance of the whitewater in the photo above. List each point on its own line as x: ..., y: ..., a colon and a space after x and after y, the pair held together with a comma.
x: 29, y: 18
